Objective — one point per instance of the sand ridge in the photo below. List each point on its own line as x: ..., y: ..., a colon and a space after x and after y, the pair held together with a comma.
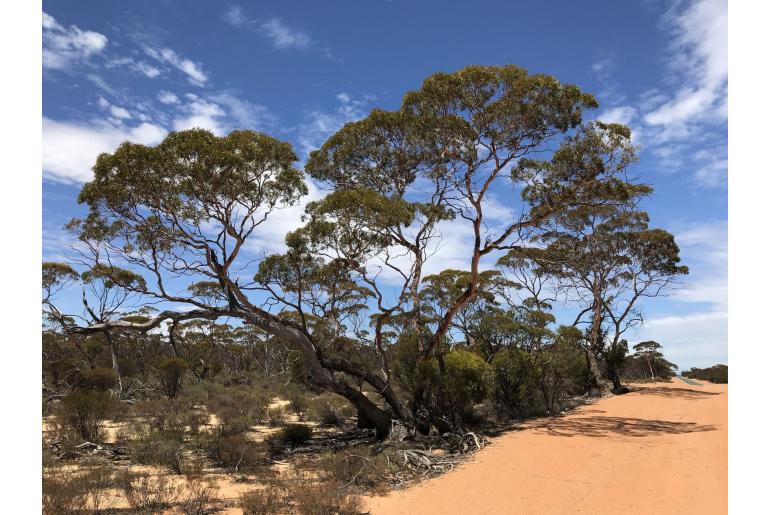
x: 660, y: 449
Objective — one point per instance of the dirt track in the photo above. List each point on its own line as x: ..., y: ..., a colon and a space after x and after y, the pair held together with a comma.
x: 660, y: 449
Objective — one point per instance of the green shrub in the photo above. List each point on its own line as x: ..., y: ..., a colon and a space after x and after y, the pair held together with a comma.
x: 517, y: 382
x: 86, y: 411
x: 465, y: 381
x: 295, y: 434
x: 171, y: 372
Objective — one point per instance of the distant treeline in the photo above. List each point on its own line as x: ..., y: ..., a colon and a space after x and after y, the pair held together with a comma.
x: 716, y: 374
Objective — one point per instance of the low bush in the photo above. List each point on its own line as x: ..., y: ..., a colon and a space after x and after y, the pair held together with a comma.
x: 239, y: 408
x: 276, y: 417
x: 170, y: 373
x: 63, y: 494
x: 86, y: 411
x: 99, y: 379
x: 355, y: 466
x: 323, y: 498
x: 295, y: 434
x: 149, y: 494
x: 162, y: 448
x: 327, y: 415
x: 265, y: 501
x: 235, y: 452
x: 200, y: 498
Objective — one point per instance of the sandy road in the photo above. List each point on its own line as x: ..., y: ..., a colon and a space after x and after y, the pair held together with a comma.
x: 661, y: 449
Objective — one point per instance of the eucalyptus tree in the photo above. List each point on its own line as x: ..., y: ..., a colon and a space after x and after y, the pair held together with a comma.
x: 190, y: 210
x: 607, y: 258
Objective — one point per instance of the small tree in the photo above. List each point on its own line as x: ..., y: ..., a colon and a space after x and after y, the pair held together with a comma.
x: 171, y: 372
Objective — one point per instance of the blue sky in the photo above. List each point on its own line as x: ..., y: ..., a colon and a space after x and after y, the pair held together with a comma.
x: 299, y: 70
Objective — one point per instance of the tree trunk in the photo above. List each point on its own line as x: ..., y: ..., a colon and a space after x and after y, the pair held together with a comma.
x: 597, y: 379
x: 115, y: 366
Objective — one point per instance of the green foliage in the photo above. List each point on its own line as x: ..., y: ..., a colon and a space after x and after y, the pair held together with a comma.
x: 171, y: 373
x: 465, y: 381
x: 517, y: 382
x: 715, y: 374
x: 86, y: 411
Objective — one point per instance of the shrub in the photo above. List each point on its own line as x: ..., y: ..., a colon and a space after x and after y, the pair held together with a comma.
x: 297, y: 403
x: 328, y: 415
x: 193, y: 420
x: 295, y: 434
x: 61, y: 371
x: 465, y: 381
x: 158, y: 448
x: 99, y: 379
x: 354, y: 467
x: 157, y: 413
x: 171, y: 372
x: 86, y: 411
x: 323, y: 499
x: 266, y: 501
x: 200, y: 498
x: 715, y: 374
x: 149, y: 494
x: 86, y: 491
x: 517, y: 382
x: 62, y: 495
x: 239, y: 408
x: 233, y: 451
x: 276, y: 416
x: 98, y: 484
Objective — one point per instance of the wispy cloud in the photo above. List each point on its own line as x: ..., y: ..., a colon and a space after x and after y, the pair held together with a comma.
x: 65, y: 46
x: 280, y: 35
x: 688, y: 110
x: 320, y: 124
x: 193, y: 71
x: 698, y: 50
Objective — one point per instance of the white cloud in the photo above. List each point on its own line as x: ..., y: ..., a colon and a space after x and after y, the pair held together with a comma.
x: 201, y: 114
x: 220, y: 113
x: 191, y: 69
x: 699, y: 60
x: 234, y: 16
x: 167, y: 97
x: 116, y: 112
x: 619, y: 114
x: 245, y: 114
x: 70, y: 149
x: 282, y: 36
x: 64, y: 46
x: 692, y: 340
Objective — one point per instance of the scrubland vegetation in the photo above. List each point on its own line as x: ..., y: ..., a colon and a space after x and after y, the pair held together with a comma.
x: 716, y: 374
x: 201, y: 363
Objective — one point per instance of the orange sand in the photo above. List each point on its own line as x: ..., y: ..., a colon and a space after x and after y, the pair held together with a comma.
x: 660, y: 449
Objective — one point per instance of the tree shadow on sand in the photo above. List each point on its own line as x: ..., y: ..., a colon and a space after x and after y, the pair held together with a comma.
x: 673, y: 393
x: 598, y: 426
